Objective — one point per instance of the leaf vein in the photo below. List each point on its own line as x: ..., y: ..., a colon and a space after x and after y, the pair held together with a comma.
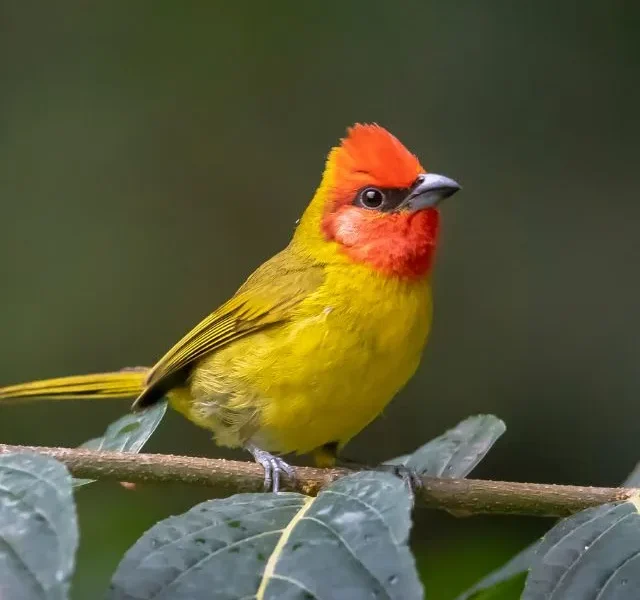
x: 33, y: 475
x: 372, y: 508
x: 35, y: 509
x: 209, y: 556
x: 270, y: 567
x: 206, y: 528
x: 587, y: 522
x: 348, y: 547
x: 296, y: 583
x: 21, y: 560
x: 609, y: 579
x: 579, y: 557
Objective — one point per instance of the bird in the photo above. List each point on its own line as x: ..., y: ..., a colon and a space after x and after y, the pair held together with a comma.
x: 322, y: 336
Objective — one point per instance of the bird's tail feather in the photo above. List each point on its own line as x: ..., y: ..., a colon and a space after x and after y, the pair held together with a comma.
x: 117, y: 384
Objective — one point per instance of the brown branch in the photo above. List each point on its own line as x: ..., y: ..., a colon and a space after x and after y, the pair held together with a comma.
x: 460, y: 496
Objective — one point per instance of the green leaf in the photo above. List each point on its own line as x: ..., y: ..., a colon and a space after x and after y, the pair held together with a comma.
x: 456, y: 452
x: 523, y: 561
x: 528, y: 557
x: 128, y: 434
x: 592, y: 554
x: 38, y: 529
x: 349, y: 542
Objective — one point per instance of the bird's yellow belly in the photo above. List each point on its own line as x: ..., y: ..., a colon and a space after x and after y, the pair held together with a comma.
x: 341, y: 400
x: 318, y: 379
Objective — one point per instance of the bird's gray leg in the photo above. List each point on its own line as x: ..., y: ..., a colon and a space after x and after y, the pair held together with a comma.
x: 273, y: 467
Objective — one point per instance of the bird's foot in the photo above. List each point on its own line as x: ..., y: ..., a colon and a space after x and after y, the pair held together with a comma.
x: 411, y: 478
x: 273, y: 467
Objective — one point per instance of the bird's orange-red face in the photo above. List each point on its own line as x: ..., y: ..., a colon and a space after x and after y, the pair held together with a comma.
x: 381, y: 203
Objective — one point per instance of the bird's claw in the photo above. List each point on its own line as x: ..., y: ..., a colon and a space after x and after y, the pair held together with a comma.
x: 273, y: 467
x: 411, y: 478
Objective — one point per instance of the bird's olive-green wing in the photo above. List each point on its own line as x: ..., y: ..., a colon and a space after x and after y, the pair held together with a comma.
x: 267, y: 298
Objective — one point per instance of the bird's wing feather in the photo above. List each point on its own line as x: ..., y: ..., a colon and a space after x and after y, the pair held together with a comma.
x: 268, y: 297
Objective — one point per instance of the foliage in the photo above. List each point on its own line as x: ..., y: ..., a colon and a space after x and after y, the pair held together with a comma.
x: 533, y: 558
x: 38, y: 529
x: 128, y: 434
x: 280, y: 546
x: 351, y: 541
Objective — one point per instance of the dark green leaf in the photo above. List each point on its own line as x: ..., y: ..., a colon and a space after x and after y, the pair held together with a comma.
x: 350, y: 542
x: 593, y: 554
x: 525, y: 559
x: 38, y: 529
x: 456, y: 452
x: 128, y: 434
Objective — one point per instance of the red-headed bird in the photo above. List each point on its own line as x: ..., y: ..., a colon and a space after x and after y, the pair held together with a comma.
x: 321, y: 337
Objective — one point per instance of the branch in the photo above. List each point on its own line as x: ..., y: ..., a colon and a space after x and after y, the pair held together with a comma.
x: 459, y: 496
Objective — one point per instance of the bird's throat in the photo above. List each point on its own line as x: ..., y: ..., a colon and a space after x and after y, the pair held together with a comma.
x: 398, y: 244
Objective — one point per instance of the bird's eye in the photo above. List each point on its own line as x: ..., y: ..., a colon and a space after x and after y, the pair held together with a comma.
x: 371, y: 198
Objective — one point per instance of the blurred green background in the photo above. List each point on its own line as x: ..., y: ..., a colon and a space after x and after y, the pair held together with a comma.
x: 152, y: 154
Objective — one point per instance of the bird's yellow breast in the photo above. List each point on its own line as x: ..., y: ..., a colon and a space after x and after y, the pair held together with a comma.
x: 323, y: 375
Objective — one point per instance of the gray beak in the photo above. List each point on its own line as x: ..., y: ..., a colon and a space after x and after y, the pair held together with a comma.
x: 428, y: 191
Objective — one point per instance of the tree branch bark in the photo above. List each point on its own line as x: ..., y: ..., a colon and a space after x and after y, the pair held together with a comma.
x: 459, y: 496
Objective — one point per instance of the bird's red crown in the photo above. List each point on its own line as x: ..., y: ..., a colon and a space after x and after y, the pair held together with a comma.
x: 371, y: 149
x: 370, y: 155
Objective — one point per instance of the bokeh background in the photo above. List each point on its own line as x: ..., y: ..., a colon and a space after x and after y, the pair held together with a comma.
x: 152, y: 154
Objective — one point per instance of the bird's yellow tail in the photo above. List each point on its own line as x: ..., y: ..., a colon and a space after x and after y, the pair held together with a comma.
x: 117, y: 384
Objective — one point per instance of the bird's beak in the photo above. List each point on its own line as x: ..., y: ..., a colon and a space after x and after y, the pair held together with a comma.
x: 428, y: 191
